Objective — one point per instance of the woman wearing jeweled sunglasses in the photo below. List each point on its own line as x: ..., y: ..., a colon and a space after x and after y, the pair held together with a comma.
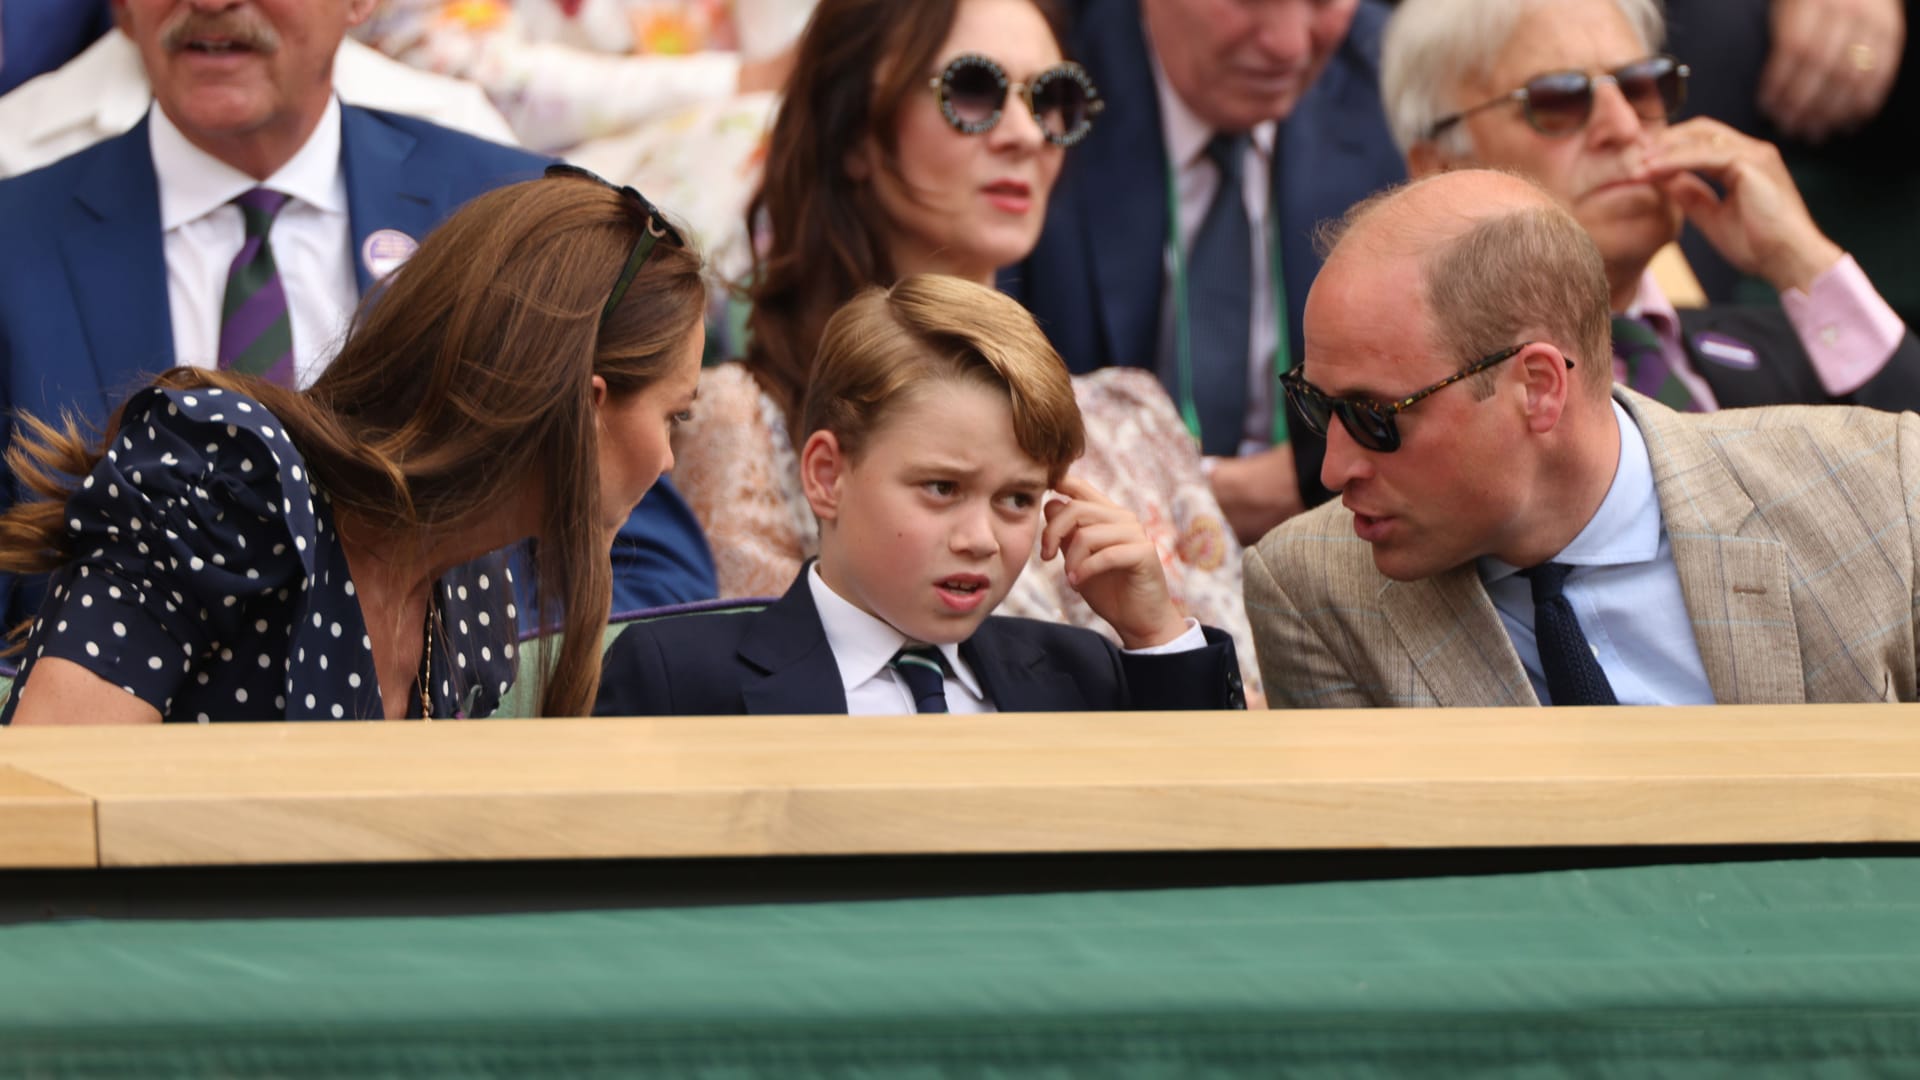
x: 925, y: 136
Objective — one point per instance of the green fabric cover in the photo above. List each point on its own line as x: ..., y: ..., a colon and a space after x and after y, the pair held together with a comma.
x: 520, y: 703
x: 1807, y: 968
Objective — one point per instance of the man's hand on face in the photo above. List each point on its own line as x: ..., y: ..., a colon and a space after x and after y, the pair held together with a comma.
x: 1760, y: 225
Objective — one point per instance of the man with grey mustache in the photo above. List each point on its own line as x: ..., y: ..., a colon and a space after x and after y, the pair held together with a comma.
x: 238, y: 226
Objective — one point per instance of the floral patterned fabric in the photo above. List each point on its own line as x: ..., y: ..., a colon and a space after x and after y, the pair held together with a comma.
x: 737, y: 468
x: 643, y: 92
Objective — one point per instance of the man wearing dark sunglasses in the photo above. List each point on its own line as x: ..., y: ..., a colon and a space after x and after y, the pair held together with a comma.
x: 1179, y: 237
x: 1575, y: 95
x: 1514, y: 528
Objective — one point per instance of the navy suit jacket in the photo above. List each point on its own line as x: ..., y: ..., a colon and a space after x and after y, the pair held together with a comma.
x: 1095, y: 279
x: 84, y: 317
x: 37, y: 36
x: 1783, y: 374
x: 776, y: 661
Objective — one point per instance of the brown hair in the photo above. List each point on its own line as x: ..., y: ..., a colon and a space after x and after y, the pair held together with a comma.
x: 859, y: 63
x: 886, y: 345
x: 465, y: 381
x: 1529, y: 272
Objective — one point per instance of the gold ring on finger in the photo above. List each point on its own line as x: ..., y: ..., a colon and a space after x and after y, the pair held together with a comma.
x: 1860, y: 55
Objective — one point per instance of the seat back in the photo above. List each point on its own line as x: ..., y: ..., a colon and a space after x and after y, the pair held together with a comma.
x: 519, y: 701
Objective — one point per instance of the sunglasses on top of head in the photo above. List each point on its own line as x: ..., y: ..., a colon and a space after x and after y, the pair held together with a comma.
x: 657, y: 228
x: 1370, y: 422
x: 1561, y: 102
x: 973, y: 93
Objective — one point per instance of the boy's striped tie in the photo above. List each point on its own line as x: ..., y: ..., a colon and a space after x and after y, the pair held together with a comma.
x: 925, y: 672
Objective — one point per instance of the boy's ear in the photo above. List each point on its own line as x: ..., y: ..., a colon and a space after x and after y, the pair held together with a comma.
x: 822, y: 466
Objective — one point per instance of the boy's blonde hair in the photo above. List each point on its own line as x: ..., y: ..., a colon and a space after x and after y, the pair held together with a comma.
x: 885, y: 345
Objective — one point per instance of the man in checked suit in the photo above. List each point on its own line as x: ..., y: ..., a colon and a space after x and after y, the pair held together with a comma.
x: 1533, y: 533
x: 120, y: 260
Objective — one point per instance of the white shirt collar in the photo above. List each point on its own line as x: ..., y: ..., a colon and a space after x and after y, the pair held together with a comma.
x: 1626, y: 529
x: 194, y: 183
x: 1185, y: 134
x: 864, y: 645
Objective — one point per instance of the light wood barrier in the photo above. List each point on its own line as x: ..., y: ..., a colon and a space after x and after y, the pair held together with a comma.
x: 345, y: 792
x: 42, y: 824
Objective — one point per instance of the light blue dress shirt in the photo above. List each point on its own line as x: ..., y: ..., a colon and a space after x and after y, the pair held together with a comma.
x: 1625, y: 590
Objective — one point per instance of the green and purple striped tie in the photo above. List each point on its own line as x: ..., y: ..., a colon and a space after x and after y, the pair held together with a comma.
x: 1637, y: 349
x: 256, y: 334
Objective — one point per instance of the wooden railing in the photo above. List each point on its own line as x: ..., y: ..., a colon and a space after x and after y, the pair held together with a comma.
x: 246, y: 794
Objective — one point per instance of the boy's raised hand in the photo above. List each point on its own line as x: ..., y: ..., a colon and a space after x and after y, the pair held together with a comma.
x: 1112, y: 564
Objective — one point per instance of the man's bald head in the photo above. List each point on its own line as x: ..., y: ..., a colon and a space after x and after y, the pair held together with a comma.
x: 1500, y: 261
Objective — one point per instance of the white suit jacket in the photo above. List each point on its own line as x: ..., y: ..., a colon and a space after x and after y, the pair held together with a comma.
x: 103, y: 92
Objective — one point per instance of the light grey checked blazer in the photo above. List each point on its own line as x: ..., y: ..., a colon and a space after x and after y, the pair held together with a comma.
x: 1792, y: 527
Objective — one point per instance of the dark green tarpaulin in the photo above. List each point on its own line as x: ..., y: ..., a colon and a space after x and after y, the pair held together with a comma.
x: 1805, y: 968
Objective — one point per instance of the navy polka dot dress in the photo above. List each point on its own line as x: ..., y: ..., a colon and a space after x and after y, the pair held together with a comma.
x: 209, y: 582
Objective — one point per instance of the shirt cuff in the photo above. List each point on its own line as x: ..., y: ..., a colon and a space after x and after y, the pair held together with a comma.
x: 1849, y: 332
x: 1194, y: 638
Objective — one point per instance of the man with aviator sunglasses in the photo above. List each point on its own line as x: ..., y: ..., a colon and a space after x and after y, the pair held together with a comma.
x: 1516, y: 529
x: 1572, y: 94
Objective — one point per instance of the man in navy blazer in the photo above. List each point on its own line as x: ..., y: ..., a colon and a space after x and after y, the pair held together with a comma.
x: 1098, y: 281
x: 776, y: 661
x: 89, y: 285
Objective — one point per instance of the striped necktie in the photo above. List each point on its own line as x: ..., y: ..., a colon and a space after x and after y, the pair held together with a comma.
x: 1637, y: 348
x: 924, y: 671
x: 256, y: 333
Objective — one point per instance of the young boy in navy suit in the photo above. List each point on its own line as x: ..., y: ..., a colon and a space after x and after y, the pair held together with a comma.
x: 940, y: 418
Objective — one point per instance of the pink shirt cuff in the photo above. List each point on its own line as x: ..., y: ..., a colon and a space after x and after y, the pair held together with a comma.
x: 1849, y: 332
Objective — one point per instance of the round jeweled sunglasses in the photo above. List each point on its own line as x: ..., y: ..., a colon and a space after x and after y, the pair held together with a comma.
x: 973, y: 93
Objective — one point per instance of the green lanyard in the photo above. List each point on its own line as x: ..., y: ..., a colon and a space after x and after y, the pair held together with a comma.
x: 1182, y: 325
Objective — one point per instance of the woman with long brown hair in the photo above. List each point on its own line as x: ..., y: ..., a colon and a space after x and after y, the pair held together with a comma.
x: 235, y: 550
x: 924, y: 136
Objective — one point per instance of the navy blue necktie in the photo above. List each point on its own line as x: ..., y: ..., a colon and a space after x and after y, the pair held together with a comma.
x: 1573, y: 675
x: 924, y: 671
x: 1220, y: 303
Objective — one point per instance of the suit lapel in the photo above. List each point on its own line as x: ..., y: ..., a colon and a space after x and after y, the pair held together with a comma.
x: 116, y: 264
x: 1321, y: 140
x: 1016, y: 675
x: 1734, y: 580
x: 1124, y: 206
x: 1748, y: 356
x: 381, y: 194
x: 787, y: 646
x: 1455, y: 640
